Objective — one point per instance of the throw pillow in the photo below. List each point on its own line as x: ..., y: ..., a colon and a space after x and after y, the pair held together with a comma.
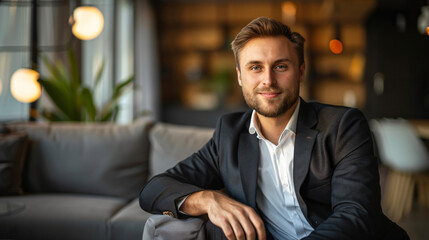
x: 13, y: 146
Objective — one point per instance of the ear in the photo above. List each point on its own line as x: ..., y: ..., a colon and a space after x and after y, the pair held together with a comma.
x: 301, y: 72
x: 238, y: 76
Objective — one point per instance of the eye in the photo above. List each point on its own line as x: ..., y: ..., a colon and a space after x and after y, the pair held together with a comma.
x: 281, y: 67
x: 255, y: 68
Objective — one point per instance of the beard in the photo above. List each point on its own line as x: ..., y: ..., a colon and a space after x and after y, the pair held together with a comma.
x: 271, y: 107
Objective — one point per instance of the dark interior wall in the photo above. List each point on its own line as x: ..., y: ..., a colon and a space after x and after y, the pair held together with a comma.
x: 398, y: 55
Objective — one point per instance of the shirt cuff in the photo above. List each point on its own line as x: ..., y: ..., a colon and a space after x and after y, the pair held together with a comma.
x: 179, y: 203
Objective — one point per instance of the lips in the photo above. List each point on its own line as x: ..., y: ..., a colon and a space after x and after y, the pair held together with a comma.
x: 269, y: 94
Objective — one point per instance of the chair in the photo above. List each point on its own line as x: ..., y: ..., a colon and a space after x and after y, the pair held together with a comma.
x: 407, y: 158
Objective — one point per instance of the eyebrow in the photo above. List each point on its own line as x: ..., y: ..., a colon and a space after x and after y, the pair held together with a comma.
x: 252, y: 62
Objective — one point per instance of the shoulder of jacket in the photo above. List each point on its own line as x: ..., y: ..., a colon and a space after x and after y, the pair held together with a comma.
x: 236, y: 119
x: 328, y: 109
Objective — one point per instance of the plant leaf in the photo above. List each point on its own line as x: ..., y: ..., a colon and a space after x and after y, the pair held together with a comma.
x: 99, y: 74
x: 53, y: 70
x: 107, y: 116
x: 52, y: 116
x: 59, y: 76
x: 74, y: 71
x: 119, y: 87
x: 59, y: 65
x: 75, y: 82
x: 118, y: 92
x: 115, y: 113
x: 88, y: 103
x: 60, y: 96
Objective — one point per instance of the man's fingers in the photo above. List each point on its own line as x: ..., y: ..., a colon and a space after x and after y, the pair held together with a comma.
x: 227, y: 230
x: 236, y: 220
x: 247, y: 226
x: 238, y: 229
x: 254, y: 226
x: 259, y: 226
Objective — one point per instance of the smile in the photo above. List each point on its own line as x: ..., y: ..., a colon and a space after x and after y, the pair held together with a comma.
x: 270, y: 94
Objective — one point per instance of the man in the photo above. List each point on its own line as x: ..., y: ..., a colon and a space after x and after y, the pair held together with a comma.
x: 288, y: 169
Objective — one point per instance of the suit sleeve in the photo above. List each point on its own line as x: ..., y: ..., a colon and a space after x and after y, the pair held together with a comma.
x: 196, y: 173
x: 355, y: 194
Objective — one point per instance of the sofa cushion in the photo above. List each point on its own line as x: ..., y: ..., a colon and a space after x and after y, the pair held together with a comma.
x: 13, y: 146
x: 104, y: 159
x: 129, y: 222
x: 59, y: 216
x: 170, y: 144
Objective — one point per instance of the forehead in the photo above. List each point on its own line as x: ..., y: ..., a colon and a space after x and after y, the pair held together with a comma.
x: 268, y: 49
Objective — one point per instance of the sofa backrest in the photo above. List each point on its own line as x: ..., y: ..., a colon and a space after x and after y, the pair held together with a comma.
x: 101, y: 159
x: 172, y: 143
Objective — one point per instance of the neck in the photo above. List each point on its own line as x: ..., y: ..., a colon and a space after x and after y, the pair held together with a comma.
x: 272, y: 127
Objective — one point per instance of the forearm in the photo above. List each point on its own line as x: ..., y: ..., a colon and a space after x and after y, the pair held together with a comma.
x: 160, y: 193
x: 196, y: 173
x: 196, y: 203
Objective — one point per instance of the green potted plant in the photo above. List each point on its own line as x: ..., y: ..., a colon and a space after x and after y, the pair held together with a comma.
x: 74, y: 101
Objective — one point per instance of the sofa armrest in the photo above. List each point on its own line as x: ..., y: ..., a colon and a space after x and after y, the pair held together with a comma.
x: 166, y: 227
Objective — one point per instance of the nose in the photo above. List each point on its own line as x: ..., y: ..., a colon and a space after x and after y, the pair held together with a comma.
x: 269, y: 78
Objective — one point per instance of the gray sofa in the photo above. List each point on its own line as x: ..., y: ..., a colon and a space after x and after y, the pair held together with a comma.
x: 82, y: 181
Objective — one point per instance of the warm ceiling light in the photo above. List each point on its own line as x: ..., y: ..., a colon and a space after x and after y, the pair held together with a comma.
x: 427, y: 30
x: 289, y: 8
x: 336, y: 46
x: 24, y: 85
x: 289, y: 12
x: 88, y: 22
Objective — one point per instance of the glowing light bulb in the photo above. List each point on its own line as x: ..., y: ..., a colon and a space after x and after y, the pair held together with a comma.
x: 88, y: 22
x: 289, y: 12
x: 289, y: 8
x: 336, y: 46
x: 24, y: 85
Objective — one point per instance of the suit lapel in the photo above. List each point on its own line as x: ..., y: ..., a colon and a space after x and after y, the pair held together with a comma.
x: 304, y: 141
x: 248, y: 160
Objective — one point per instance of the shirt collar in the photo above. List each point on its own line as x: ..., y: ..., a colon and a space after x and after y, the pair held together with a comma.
x: 291, y: 125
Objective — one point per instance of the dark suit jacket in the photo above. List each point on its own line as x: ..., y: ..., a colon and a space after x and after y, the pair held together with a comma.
x: 335, y: 172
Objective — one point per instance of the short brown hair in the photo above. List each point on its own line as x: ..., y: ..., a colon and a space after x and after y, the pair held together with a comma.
x: 266, y: 27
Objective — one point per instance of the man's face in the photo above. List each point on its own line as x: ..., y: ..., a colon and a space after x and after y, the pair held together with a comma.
x: 270, y: 75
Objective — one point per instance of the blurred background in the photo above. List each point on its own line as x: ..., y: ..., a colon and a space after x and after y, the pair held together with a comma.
x: 378, y: 65
x: 369, y: 54
x: 171, y: 60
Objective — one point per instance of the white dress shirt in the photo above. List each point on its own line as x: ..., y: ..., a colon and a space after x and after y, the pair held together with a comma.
x: 276, y: 197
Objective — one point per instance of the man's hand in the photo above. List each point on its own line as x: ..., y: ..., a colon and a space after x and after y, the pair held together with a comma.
x: 236, y: 220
